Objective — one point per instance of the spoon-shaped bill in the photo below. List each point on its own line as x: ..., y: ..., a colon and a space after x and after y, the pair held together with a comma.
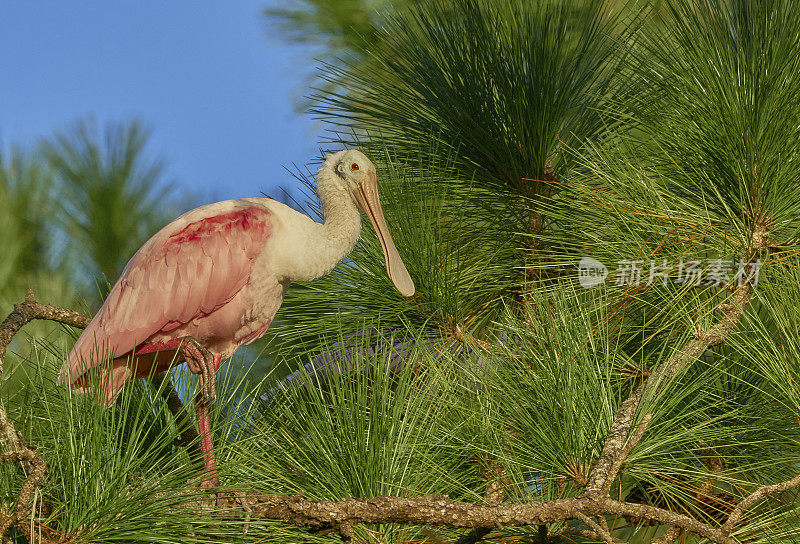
x: 367, y: 197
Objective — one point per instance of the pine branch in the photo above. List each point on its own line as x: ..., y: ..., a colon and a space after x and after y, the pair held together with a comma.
x: 615, y: 451
x: 754, y: 497
x: 19, y: 451
x: 38, y: 471
x: 584, y: 533
x: 598, y: 531
x: 439, y: 510
x: 24, y: 313
x: 27, y: 311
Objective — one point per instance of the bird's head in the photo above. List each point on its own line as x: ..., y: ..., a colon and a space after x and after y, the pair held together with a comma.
x: 353, y: 168
x: 355, y: 174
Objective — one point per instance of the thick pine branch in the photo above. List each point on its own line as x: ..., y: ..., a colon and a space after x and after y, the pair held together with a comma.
x: 440, y: 510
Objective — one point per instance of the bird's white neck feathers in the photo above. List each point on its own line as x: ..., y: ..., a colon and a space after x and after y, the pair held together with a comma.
x: 342, y: 226
x: 306, y: 250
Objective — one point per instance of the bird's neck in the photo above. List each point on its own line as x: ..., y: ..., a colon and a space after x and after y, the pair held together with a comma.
x: 342, y: 223
x: 341, y: 227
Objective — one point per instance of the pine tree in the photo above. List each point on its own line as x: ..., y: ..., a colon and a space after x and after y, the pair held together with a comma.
x: 525, y: 150
x: 516, y: 139
x: 112, y: 196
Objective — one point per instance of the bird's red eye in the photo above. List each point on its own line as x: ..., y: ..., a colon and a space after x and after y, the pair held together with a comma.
x: 354, y: 166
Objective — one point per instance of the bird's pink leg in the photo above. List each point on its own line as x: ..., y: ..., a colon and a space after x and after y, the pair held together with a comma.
x: 202, y: 362
x: 204, y: 425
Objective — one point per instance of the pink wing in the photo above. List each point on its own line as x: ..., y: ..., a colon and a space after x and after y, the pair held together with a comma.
x: 190, y: 268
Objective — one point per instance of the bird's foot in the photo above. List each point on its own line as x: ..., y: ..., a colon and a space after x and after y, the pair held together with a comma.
x: 201, y: 362
x: 237, y: 499
x: 205, y: 482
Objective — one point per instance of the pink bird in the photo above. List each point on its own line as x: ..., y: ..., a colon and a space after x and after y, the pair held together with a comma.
x: 214, y: 278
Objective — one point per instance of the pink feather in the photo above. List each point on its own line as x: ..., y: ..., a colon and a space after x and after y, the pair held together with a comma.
x: 182, y: 282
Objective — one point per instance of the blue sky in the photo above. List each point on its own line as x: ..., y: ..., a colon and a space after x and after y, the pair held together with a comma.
x: 217, y: 92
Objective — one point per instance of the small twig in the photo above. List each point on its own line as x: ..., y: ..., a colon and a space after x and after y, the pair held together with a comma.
x: 11, y: 438
x: 754, y: 497
x: 601, y: 533
x: 669, y: 536
x: 603, y: 523
x: 584, y: 533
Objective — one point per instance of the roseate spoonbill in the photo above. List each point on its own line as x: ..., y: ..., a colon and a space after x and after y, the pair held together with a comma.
x: 213, y: 279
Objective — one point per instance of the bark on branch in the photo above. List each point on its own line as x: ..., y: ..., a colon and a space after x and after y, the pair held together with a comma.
x: 438, y: 510
x: 614, y: 451
x: 36, y: 474
x: 598, y: 531
x: 27, y: 311
x: 760, y: 493
x: 11, y: 440
x: 24, y: 313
